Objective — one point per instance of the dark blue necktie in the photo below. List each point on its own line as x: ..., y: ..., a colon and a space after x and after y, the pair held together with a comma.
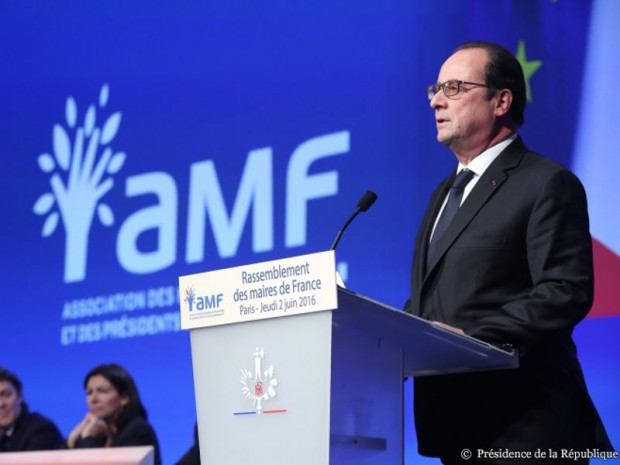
x: 452, y: 206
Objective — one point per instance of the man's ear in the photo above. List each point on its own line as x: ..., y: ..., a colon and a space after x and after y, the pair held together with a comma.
x: 503, y: 102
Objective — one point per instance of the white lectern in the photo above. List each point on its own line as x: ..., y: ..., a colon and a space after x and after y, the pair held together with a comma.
x: 317, y: 388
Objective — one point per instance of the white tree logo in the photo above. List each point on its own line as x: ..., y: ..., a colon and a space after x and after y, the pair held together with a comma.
x: 77, y: 181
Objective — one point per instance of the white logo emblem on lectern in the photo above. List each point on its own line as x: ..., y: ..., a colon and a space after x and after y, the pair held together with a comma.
x: 258, y: 386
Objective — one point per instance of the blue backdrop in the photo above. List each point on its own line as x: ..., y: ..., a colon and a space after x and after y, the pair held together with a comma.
x: 146, y: 140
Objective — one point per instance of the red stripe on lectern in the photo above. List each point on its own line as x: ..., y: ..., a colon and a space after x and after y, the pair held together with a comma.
x: 275, y: 411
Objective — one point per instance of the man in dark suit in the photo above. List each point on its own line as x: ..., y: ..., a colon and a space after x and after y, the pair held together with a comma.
x: 20, y: 429
x: 512, y: 266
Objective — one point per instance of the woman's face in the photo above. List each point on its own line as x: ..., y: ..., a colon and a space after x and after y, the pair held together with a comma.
x: 103, y: 399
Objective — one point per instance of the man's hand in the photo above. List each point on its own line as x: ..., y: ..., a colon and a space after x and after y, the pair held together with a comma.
x: 448, y: 327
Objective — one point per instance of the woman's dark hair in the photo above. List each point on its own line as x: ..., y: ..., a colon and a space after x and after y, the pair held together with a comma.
x: 125, y: 386
x: 503, y: 71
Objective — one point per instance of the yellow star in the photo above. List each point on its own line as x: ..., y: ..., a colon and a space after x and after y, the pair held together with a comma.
x: 529, y: 67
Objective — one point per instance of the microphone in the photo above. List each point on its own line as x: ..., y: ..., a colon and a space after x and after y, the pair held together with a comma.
x: 362, y: 205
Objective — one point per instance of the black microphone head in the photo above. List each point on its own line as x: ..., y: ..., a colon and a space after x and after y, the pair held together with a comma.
x: 366, y: 201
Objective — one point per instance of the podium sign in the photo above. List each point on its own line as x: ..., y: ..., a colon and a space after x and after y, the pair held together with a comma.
x: 290, y: 286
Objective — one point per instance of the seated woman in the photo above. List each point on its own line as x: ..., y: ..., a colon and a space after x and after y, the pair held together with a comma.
x: 116, y: 416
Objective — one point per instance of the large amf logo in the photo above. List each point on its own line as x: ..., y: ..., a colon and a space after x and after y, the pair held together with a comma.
x: 81, y: 170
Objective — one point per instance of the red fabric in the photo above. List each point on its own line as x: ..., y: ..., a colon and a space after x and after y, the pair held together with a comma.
x: 606, y: 283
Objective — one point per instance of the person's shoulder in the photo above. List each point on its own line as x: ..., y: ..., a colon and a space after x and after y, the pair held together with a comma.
x: 535, y: 172
x: 543, y: 162
x: 37, y: 432
x: 138, y: 423
x: 539, y: 165
x: 137, y: 427
x: 37, y: 420
x: 550, y: 169
x: 542, y: 176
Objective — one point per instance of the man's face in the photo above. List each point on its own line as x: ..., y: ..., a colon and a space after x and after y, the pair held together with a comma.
x: 10, y: 404
x: 465, y: 122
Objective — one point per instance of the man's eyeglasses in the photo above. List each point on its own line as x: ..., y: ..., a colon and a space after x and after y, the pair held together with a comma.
x: 451, y: 88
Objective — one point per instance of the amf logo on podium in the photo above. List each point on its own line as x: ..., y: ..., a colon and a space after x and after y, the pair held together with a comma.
x: 82, y: 167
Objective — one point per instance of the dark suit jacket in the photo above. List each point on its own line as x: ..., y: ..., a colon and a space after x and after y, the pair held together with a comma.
x: 192, y: 456
x: 514, y: 267
x: 32, y: 431
x: 138, y: 432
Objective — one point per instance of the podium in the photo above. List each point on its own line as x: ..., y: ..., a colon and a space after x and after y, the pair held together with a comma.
x: 319, y: 388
